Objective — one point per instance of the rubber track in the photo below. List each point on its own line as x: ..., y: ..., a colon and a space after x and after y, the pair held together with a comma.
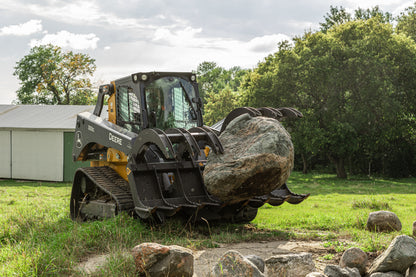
x: 108, y: 180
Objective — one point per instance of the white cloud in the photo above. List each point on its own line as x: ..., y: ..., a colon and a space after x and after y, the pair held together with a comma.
x: 266, y: 43
x: 67, y: 39
x: 78, y: 12
x: 24, y: 29
x: 186, y: 36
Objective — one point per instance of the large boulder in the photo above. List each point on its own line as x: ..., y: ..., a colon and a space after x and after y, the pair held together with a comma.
x: 399, y: 256
x: 354, y: 258
x: 290, y: 265
x: 383, y: 221
x: 157, y: 260
x: 258, y: 158
x: 233, y: 264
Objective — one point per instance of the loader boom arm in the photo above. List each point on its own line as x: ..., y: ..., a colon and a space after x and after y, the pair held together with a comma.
x: 92, y: 132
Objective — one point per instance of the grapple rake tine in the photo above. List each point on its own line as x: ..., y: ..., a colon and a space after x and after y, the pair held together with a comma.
x: 237, y: 112
x: 211, y: 137
x: 191, y: 140
x: 290, y: 112
x: 186, y: 139
x: 270, y: 112
x: 156, y: 137
x: 214, y: 137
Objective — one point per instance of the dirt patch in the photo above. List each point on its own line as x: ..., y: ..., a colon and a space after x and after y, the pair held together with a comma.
x: 206, y: 259
x: 92, y: 263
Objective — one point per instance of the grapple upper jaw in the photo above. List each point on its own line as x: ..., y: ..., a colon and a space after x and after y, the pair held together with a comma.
x: 276, y: 113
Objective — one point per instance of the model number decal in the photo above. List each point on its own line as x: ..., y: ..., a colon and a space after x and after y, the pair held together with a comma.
x: 114, y: 139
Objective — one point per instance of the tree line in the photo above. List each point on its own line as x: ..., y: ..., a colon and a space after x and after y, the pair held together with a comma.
x: 353, y: 79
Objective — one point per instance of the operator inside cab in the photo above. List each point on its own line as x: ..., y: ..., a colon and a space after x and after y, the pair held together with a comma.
x: 169, y: 103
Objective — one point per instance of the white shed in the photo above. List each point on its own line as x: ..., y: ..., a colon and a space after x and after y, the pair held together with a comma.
x: 36, y: 141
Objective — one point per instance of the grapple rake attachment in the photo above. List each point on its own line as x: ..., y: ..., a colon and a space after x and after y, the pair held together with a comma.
x: 172, y: 160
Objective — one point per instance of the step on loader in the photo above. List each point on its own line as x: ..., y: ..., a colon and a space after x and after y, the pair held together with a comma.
x: 148, y: 156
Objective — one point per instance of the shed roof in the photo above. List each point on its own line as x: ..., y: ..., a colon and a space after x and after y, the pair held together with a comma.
x: 40, y: 117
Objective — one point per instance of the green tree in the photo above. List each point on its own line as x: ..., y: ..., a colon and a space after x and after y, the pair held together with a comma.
x: 335, y: 16
x: 406, y: 22
x: 219, y: 89
x: 210, y: 78
x: 338, y: 16
x: 219, y: 105
x: 50, y: 76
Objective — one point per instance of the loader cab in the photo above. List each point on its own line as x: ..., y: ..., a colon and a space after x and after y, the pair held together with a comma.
x: 156, y: 100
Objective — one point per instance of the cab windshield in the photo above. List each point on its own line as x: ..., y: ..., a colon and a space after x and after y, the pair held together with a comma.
x: 169, y: 102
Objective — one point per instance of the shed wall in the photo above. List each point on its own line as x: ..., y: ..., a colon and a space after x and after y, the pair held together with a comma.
x: 5, y: 154
x: 69, y: 165
x: 37, y: 155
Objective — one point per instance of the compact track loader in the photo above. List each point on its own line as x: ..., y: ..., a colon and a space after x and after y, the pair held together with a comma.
x: 149, y: 156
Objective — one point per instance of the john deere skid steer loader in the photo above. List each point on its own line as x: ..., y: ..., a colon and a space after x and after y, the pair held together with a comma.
x: 149, y: 156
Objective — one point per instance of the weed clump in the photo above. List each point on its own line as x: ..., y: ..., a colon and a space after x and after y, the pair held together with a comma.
x: 371, y: 204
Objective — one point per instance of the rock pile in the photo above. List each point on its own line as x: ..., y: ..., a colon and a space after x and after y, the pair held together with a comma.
x: 158, y: 260
x: 258, y: 158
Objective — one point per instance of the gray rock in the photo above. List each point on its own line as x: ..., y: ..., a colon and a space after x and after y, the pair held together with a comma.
x: 399, y: 256
x: 386, y: 274
x: 411, y: 272
x: 354, y: 257
x: 316, y: 274
x: 258, y: 158
x: 257, y: 261
x: 383, y: 221
x: 337, y: 271
x: 232, y: 263
x: 157, y: 260
x: 290, y: 265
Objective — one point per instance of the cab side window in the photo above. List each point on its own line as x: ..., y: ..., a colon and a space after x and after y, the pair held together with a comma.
x: 128, y: 109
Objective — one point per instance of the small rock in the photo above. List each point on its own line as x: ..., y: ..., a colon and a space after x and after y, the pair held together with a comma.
x: 399, y: 256
x: 337, y: 271
x: 233, y: 264
x: 354, y: 257
x: 383, y: 221
x: 147, y: 254
x: 387, y: 274
x: 411, y: 272
x: 257, y: 261
x: 157, y: 260
x: 290, y: 265
x: 414, y: 229
x: 316, y: 274
x: 258, y: 158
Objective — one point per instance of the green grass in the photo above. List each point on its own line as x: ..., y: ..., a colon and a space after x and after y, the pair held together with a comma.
x: 339, y: 208
x: 37, y: 237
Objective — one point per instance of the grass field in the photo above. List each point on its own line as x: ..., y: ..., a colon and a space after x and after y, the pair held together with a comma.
x: 37, y: 238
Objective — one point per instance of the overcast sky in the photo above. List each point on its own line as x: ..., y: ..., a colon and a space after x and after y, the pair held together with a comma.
x: 159, y: 35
